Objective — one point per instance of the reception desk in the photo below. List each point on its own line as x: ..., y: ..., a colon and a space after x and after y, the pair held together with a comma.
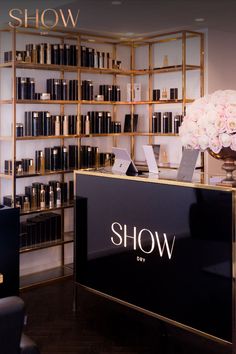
x: 160, y: 246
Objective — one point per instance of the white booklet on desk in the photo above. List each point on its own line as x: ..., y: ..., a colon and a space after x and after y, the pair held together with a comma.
x: 187, y: 165
x: 152, y: 158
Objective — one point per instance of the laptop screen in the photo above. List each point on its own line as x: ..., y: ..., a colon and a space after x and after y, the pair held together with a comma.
x: 123, y: 162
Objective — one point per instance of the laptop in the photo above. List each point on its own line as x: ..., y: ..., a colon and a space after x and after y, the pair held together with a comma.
x: 123, y: 163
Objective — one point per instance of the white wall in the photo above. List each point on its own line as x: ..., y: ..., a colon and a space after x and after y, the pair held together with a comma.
x: 221, y: 75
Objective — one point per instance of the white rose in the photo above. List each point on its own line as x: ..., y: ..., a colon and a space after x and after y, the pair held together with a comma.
x: 211, y: 115
x: 225, y: 139
x: 211, y: 130
x: 215, y: 145
x: 233, y: 143
x: 203, y: 142
x: 191, y: 126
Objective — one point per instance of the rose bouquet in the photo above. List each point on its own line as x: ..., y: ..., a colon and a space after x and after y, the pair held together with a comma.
x: 210, y: 122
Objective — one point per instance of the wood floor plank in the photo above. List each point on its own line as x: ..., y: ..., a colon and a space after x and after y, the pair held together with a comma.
x: 101, y: 327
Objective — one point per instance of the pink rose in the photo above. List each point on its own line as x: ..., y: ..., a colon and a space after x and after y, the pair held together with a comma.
x: 231, y: 125
x: 220, y: 124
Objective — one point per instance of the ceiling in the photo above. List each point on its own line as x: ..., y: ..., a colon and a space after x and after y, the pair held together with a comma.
x: 132, y: 18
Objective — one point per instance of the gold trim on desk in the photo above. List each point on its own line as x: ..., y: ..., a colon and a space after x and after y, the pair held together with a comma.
x: 160, y: 317
x: 147, y: 179
x: 233, y: 273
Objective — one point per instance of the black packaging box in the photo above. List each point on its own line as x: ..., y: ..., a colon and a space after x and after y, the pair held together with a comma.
x: 7, y: 200
x: 73, y: 157
x: 30, y: 229
x: 8, y: 166
x: 28, y: 193
x: 64, y: 193
x: 48, y: 158
x: 23, y: 239
x: 72, y: 124
x: 127, y: 125
x: 28, y: 123
x: 71, y: 190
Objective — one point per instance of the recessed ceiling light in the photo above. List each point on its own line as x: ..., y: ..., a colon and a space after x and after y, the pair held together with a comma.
x: 116, y: 2
x: 199, y: 19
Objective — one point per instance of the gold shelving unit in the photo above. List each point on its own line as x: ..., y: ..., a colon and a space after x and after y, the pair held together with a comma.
x: 132, y: 73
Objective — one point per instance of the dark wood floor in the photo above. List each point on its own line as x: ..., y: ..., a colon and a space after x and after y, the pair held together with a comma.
x: 101, y: 326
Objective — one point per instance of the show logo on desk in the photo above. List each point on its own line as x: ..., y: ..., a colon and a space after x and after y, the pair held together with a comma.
x: 142, y: 240
x: 43, y: 19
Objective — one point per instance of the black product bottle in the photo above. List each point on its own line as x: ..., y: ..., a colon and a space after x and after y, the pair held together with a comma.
x: 70, y: 90
x: 37, y: 160
x: 48, y: 126
x: 55, y: 54
x: 90, y: 91
x: 118, y: 93
x: 32, y: 89
x: 83, y: 90
x: 154, y: 123
x: 61, y: 54
x: 99, y: 122
x: 64, y: 90
x: 83, y: 56
x: 23, y: 88
x: 76, y: 89
x: 57, y: 89
x: 108, y: 123
x: 58, y: 195
x: 18, y: 88
x: 64, y: 158
x: 177, y: 123
x: 54, y: 159
x: 82, y: 124
x: 109, y: 94
x: 66, y: 54
x: 165, y: 123
x: 90, y: 58
x: 114, y: 93
x: 173, y: 93
x: 93, y: 118
x: 35, y: 124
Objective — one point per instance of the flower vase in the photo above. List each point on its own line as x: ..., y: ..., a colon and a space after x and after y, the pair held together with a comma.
x: 229, y: 158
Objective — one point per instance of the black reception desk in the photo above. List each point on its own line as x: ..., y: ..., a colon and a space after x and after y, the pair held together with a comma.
x: 161, y: 246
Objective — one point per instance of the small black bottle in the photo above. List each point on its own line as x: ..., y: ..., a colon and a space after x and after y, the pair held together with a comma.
x: 54, y: 159
x: 55, y: 54
x: 31, y: 91
x: 23, y: 88
x: 35, y: 124
x: 61, y: 54
x: 57, y: 89
x: 64, y: 158
x: 64, y: 95
x: 66, y: 54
